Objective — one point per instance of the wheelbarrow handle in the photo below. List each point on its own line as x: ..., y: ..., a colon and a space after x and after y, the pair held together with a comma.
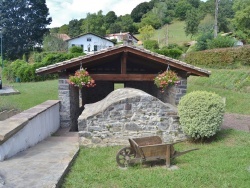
x: 179, y: 153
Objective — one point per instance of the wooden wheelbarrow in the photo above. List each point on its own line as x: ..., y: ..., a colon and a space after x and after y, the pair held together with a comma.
x: 147, y: 149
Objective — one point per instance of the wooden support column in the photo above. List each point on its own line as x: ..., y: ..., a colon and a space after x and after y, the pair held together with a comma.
x: 124, y: 63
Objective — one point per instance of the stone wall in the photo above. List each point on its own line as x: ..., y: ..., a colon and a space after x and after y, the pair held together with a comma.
x: 171, y: 95
x: 69, y: 106
x: 127, y: 113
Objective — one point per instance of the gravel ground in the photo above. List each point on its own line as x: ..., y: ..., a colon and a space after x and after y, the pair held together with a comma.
x: 236, y: 121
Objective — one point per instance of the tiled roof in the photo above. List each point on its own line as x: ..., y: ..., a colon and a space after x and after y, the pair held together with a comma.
x: 146, y: 52
x: 62, y: 36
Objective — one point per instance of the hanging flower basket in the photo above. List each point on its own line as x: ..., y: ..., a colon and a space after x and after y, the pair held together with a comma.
x: 81, y: 79
x: 167, y: 78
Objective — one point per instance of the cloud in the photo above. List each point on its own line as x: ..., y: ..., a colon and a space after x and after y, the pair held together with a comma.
x: 64, y: 11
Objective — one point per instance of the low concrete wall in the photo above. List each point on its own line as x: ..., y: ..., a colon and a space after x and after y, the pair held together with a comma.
x: 7, y: 114
x: 27, y: 128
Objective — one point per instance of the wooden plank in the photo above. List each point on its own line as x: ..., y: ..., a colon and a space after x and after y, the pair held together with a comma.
x: 124, y: 63
x: 168, y: 156
x: 123, y: 77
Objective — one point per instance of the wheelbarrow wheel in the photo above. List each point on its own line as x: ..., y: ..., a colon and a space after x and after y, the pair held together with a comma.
x: 124, y: 155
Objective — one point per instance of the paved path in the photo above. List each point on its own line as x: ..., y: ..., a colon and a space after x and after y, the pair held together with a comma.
x: 42, y: 165
x: 236, y: 121
x: 7, y: 90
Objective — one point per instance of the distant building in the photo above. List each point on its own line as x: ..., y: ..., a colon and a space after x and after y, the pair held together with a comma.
x: 126, y: 38
x: 90, y: 42
x: 64, y: 37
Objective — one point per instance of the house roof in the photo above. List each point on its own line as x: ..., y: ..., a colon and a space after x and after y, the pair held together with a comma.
x: 62, y: 36
x: 90, y: 34
x: 121, y: 34
x: 132, y: 51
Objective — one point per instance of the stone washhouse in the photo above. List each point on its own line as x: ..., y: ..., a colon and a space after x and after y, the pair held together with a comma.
x: 129, y: 65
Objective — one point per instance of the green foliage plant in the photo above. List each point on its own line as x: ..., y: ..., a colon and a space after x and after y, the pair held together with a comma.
x: 202, y: 41
x: 221, y: 42
x: 220, y: 58
x: 174, y: 53
x: 201, y: 114
x: 146, y: 32
x: 76, y: 49
x: 150, y: 44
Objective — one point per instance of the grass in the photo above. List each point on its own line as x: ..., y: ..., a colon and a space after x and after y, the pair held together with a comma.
x: 32, y: 94
x: 221, y: 163
x: 234, y: 85
x: 176, y: 34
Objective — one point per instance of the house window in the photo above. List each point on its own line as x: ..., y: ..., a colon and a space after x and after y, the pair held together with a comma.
x: 73, y: 44
x: 95, y: 48
x: 89, y: 39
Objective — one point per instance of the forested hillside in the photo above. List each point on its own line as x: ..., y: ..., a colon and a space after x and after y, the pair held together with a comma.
x: 232, y: 16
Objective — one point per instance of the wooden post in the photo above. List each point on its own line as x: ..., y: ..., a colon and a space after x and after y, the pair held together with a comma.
x: 168, y: 156
x: 124, y: 63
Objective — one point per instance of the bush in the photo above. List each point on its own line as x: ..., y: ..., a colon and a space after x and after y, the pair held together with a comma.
x: 150, y: 44
x: 220, y: 58
x: 202, y: 41
x: 201, y: 114
x: 26, y: 71
x: 221, y: 42
x: 76, y: 49
x: 174, y: 53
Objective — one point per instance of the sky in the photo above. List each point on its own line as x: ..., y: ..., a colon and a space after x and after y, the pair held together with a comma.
x: 64, y: 11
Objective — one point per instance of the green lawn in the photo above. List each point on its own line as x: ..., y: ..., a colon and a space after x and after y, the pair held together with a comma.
x: 32, y: 94
x: 221, y: 163
x: 234, y: 85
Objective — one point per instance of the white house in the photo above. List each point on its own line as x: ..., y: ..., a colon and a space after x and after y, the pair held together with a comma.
x: 123, y: 37
x: 90, y: 42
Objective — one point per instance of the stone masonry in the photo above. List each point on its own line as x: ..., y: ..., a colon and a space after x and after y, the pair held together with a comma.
x: 126, y: 113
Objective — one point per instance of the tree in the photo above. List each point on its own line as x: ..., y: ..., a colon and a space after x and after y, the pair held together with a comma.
x: 110, y: 18
x: 94, y: 23
x: 24, y: 24
x: 146, y: 32
x: 139, y: 11
x: 241, y: 19
x: 74, y: 28
x: 192, y: 22
x: 64, y: 29
x: 181, y: 9
x: 151, y: 19
x: 52, y: 43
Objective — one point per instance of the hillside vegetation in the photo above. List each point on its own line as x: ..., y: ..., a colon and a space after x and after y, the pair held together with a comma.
x: 176, y: 34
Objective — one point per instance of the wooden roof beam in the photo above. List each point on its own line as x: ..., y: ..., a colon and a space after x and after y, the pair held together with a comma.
x: 123, y: 77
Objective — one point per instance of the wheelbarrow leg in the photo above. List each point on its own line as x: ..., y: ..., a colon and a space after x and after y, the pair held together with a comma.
x: 168, y: 156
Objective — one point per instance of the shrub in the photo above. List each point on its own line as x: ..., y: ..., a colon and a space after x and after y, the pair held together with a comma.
x: 174, y: 53
x: 76, y: 49
x: 202, y: 41
x: 201, y: 114
x: 221, y: 42
x: 150, y: 44
x: 26, y: 71
x: 220, y: 58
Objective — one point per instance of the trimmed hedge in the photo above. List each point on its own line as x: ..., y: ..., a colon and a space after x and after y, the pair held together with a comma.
x: 220, y: 58
x: 201, y: 114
